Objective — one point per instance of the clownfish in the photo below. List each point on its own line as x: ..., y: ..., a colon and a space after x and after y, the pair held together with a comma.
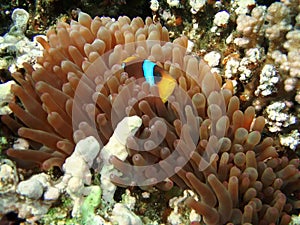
x: 152, y: 73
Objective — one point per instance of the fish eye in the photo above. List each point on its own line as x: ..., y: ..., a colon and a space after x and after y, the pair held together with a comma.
x: 157, y: 74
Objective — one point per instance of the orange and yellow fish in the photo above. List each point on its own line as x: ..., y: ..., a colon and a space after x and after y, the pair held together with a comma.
x: 152, y: 73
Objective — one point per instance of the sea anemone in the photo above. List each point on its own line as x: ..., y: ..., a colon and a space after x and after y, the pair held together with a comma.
x: 198, y: 139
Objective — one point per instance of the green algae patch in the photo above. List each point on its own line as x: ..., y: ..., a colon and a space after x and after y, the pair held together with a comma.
x: 60, y: 214
x: 89, y: 206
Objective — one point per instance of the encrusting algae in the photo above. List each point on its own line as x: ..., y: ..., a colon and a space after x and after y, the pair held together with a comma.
x: 197, y: 138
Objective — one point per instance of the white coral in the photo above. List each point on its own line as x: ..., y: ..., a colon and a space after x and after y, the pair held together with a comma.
x: 121, y: 214
x: 289, y: 62
x: 5, y: 97
x: 154, y: 5
x: 20, y: 18
x: 197, y: 5
x: 279, y: 18
x: 221, y: 18
x: 242, y: 6
x: 116, y: 146
x: 173, y: 2
x: 34, y: 187
x: 251, y: 27
x: 269, y: 77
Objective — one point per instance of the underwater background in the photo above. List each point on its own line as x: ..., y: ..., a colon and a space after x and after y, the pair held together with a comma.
x: 252, y: 49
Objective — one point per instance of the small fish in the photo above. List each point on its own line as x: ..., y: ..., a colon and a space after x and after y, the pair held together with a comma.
x: 152, y: 73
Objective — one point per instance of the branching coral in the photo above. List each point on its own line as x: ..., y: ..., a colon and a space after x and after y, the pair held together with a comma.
x: 198, y: 139
x: 250, y: 27
x: 279, y: 17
